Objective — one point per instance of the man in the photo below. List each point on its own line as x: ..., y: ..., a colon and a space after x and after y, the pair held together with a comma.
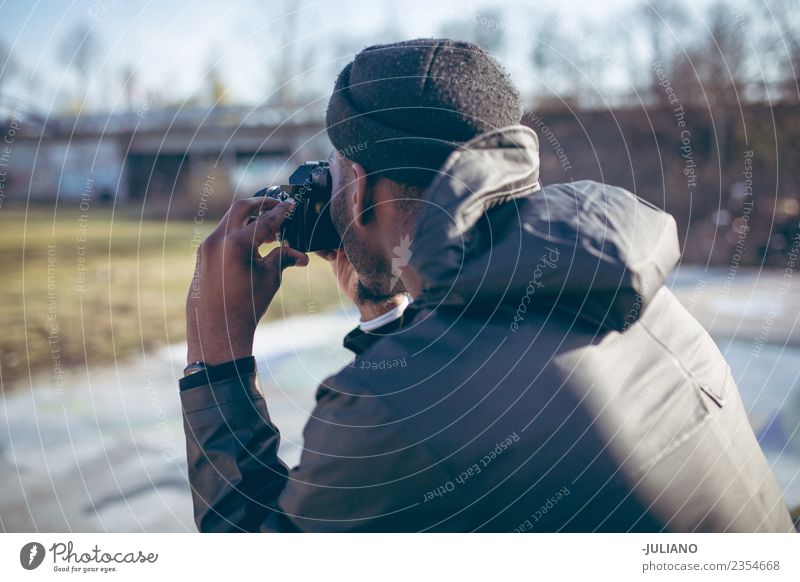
x: 552, y: 382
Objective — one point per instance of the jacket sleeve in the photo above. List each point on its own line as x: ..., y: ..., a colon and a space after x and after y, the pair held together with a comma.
x: 357, y: 471
x: 232, y: 453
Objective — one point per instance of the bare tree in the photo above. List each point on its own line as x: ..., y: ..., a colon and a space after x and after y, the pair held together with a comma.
x: 781, y: 44
x: 284, y: 66
x: 724, y: 57
x: 546, y: 58
x: 128, y: 78
x: 7, y: 66
x: 569, y: 59
x: 79, y: 51
x: 486, y: 29
x: 216, y: 91
x: 660, y: 24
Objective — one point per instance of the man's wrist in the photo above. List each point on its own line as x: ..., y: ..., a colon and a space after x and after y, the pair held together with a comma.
x: 212, y: 357
x: 234, y: 368
x: 214, y: 351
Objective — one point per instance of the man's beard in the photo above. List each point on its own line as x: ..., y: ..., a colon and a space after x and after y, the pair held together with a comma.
x: 374, y: 273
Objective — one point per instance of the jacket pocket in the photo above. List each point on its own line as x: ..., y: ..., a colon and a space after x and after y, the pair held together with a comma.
x: 711, y: 373
x: 649, y: 403
x: 675, y: 411
x: 717, y: 390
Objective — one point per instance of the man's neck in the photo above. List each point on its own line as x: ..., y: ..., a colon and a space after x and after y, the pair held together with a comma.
x: 371, y: 310
x: 412, y: 282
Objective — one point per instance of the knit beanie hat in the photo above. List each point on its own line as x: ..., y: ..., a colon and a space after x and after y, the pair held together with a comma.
x: 400, y: 109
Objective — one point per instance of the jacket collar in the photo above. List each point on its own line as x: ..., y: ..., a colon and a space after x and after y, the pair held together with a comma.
x: 492, y: 169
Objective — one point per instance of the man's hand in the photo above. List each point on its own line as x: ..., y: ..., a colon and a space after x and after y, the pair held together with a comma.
x: 233, y: 285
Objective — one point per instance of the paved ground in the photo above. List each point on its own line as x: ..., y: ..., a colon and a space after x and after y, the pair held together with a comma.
x: 107, y: 454
x: 746, y: 304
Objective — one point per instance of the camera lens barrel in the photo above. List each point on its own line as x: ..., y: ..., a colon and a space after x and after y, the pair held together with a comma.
x: 310, y: 227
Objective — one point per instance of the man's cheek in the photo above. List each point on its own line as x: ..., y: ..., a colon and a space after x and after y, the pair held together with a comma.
x: 336, y: 182
x: 338, y: 214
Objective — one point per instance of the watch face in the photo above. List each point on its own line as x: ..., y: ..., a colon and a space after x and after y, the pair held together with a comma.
x: 193, y: 368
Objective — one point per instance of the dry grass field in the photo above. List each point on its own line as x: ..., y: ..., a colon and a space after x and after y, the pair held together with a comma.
x: 87, y: 288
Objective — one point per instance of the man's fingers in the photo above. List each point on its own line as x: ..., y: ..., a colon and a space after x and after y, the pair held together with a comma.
x: 241, y: 211
x: 266, y: 227
x: 284, y: 256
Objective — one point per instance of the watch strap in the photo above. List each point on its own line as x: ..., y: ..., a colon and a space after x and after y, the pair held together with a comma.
x: 211, y: 374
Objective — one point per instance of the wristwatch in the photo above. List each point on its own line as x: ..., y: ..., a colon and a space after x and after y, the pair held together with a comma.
x: 192, y: 376
x: 194, y: 368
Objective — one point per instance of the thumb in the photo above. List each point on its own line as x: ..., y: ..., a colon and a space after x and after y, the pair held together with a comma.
x: 283, y: 256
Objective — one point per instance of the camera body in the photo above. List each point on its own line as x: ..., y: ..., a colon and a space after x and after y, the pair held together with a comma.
x: 309, y: 228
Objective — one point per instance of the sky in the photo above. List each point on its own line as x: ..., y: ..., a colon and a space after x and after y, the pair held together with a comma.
x: 172, y: 46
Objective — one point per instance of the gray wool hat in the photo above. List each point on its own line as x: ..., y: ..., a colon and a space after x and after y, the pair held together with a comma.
x: 400, y: 109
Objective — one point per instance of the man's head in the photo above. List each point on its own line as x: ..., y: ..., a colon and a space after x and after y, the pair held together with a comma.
x: 397, y: 112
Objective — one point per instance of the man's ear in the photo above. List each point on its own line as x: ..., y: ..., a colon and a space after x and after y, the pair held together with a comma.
x: 360, y: 194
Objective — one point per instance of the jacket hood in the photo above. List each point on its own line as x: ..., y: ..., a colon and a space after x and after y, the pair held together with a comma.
x: 490, y: 237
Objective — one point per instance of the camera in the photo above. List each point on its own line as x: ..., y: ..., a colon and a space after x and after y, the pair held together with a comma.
x: 309, y: 227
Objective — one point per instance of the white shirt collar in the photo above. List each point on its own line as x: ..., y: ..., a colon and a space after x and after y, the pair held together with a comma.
x: 385, y: 318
